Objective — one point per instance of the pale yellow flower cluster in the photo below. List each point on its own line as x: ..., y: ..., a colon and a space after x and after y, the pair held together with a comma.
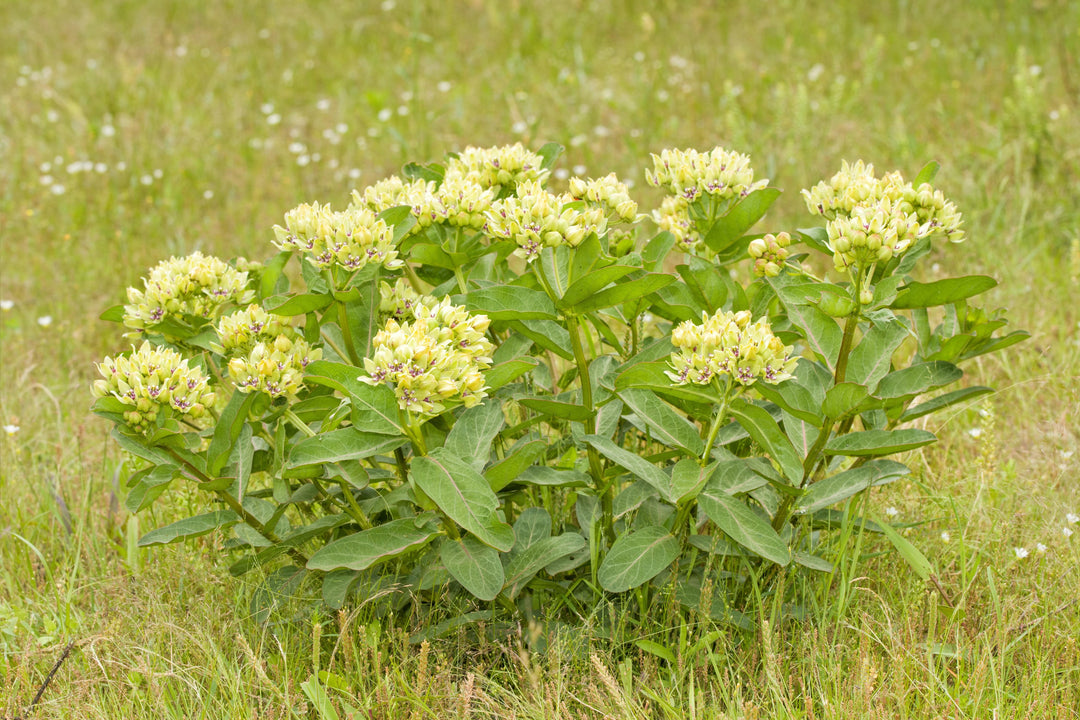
x: 769, y: 253
x: 496, y: 167
x: 535, y: 219
x: 722, y: 174
x: 873, y: 219
x: 151, y: 380
x: 457, y: 201
x: 729, y: 344
x: 266, y: 353
x: 436, y: 358
x: 352, y: 238
x: 196, y: 285
x: 674, y: 217
x: 397, y: 301
x: 609, y: 193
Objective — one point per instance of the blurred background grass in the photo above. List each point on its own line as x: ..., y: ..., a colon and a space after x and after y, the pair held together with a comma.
x: 132, y: 131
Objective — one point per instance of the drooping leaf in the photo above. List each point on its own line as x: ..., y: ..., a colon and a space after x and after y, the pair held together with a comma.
x: 944, y: 401
x: 526, y: 564
x: 917, y: 379
x: 189, y: 528
x: 343, y: 444
x: 744, y: 526
x: 557, y: 408
x: 290, y: 305
x: 552, y: 477
x: 665, y: 424
x: 227, y: 430
x: 475, y: 565
x: 911, y: 554
x: 533, y: 524
x: 547, y: 334
x: 826, y: 493
x: 636, y: 464
x: 843, y: 399
x: 471, y: 437
x: 593, y: 282
x: 763, y: 429
x: 149, y: 485
x: 519, y: 459
x: 510, y: 302
x: 871, y: 358
x: 743, y: 216
x: 636, y: 558
x: 507, y: 372
x: 625, y: 292
x: 688, y: 479
x: 941, y: 292
x: 363, y: 549
x: 375, y: 406
x: 879, y: 442
x: 464, y: 495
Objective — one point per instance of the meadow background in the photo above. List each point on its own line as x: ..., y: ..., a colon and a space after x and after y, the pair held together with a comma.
x: 132, y: 131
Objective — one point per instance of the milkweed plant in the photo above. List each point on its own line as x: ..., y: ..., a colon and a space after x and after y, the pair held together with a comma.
x: 465, y: 383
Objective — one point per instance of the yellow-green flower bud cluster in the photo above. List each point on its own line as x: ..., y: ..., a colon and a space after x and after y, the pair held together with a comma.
x: 151, y: 381
x: 266, y: 353
x: 436, y: 358
x: 720, y: 173
x: 496, y: 167
x: 457, y: 201
x: 535, y: 219
x: 870, y: 234
x: 674, y: 217
x: 607, y: 192
x: 729, y: 344
x: 353, y: 238
x: 398, y: 300
x: 196, y: 284
x: 392, y: 192
x: 769, y: 253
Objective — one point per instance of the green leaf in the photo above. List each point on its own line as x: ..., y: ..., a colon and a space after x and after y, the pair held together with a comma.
x: 843, y: 485
x: 879, y: 442
x: 343, y: 444
x: 871, y: 359
x: 665, y: 424
x: 740, y: 218
x: 289, y: 305
x: 361, y: 550
x: 636, y: 558
x: 547, y: 334
x: 793, y: 398
x: 375, y: 406
x: 944, y: 401
x: 242, y: 455
x: 550, y: 152
x: 227, y: 430
x: 471, y: 437
x: 911, y: 554
x: 336, y: 585
x: 926, y: 175
x: 625, y: 292
x: 509, y: 371
x: 636, y: 464
x: 189, y: 528
x: 510, y: 468
x: 656, y: 649
x: 594, y: 282
x: 688, y: 479
x: 817, y: 238
x: 763, y: 429
x: 843, y: 399
x: 555, y: 408
x: 532, y: 525
x: 464, y: 495
x: 113, y: 314
x: 551, y: 477
x: 475, y: 565
x: 320, y: 701
x: 651, y: 376
x: 137, y: 447
x: 734, y: 476
x: 743, y: 525
x: 917, y: 379
x: 524, y: 565
x: 511, y: 302
x: 149, y: 486
x: 823, y: 335
x: 941, y: 292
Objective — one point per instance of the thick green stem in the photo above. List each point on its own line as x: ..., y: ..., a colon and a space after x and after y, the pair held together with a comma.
x: 596, y: 468
x: 300, y: 424
x: 717, y: 423
x: 414, y: 279
x: 346, y: 332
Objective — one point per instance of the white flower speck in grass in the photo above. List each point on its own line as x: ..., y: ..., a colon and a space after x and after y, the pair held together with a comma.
x: 561, y: 174
x: 1020, y: 552
x: 1040, y: 548
x: 121, y: 166
x: 208, y: 194
x: 273, y: 119
x: 1067, y: 531
x: 6, y: 305
x: 443, y: 86
x: 579, y: 140
x: 323, y: 104
x: 341, y: 128
x: 945, y: 536
x: 181, y: 50
x: 264, y: 34
x: 385, y: 114
x: 891, y: 511
x: 580, y: 170
x: 45, y: 320
x: 158, y: 173
x: 101, y: 168
x: 1072, y: 518
x: 354, y: 173
x: 403, y: 110
x: 147, y: 179
x: 57, y: 189
x: 519, y: 127
x: 303, y: 160
x: 297, y: 148
x: 975, y: 432
x: 1066, y: 454
x: 52, y: 116
x: 388, y: 5
x: 45, y: 167
x: 266, y: 108
x: 815, y: 72
x: 46, y: 180
x: 10, y: 430
x: 108, y: 131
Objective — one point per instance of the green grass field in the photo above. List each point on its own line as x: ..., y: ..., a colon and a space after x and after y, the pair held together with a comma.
x: 133, y: 131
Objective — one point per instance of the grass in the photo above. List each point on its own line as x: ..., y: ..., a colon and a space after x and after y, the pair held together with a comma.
x: 133, y: 131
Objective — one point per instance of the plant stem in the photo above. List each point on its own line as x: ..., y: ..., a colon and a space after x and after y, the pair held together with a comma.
x: 337, y: 349
x: 596, y: 468
x: 717, y: 422
x: 414, y: 279
x: 346, y: 332
x: 300, y: 424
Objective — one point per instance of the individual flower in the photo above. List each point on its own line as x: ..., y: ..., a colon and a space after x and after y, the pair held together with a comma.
x: 723, y: 175
x: 496, y: 167
x: 45, y: 320
x: 945, y: 537
x: 435, y: 358
x: 535, y: 219
x: 196, y: 284
x: 608, y: 193
x: 729, y: 344
x: 10, y: 430
x: 1040, y: 548
x: 6, y: 305
x: 769, y: 253
x: 1020, y: 552
x: 393, y: 192
x: 352, y: 238
x: 265, y: 353
x: 1067, y: 532
x: 1072, y: 518
x: 153, y: 381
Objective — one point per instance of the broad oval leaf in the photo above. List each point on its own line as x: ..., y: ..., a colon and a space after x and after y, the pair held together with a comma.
x: 636, y: 558
x: 556, y: 408
x: 843, y: 485
x: 593, y: 282
x: 464, y: 495
x: 524, y: 565
x: 879, y: 442
x: 734, y: 224
x: 473, y: 432
x: 511, y: 302
x: 636, y: 464
x: 763, y: 429
x: 944, y: 401
x: 296, y: 304
x: 189, y: 528
x: 843, y: 399
x: 917, y: 379
x: 625, y: 292
x: 666, y: 424
x: 375, y: 406
x: 941, y: 292
x: 744, y: 526
x: 361, y: 550
x: 475, y: 565
x: 342, y: 444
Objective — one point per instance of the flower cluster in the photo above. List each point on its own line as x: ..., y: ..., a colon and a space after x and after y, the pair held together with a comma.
x: 719, y: 173
x: 873, y: 219
x: 437, y: 357
x: 496, y: 167
x: 352, y: 238
x: 535, y: 219
x: 607, y: 192
x: 397, y: 300
x: 674, y: 217
x: 266, y: 353
x: 769, y: 253
x: 151, y: 380
x: 196, y: 285
x: 456, y: 201
x: 729, y: 344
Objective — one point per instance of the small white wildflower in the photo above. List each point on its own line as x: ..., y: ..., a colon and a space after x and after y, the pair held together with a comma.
x: 1072, y: 518
x: 1021, y: 552
x: 264, y: 34
x: 45, y: 320
x: 519, y: 127
x: 297, y: 147
x: 580, y: 169
x: 208, y: 194
x: 443, y: 86
x: 1035, y: 70
x: 1040, y: 548
x: 52, y: 116
x: 385, y: 114
x: 91, y: 64
x: 273, y: 119
x: 6, y: 304
x: 101, y: 168
x: 354, y: 173
x: 945, y: 537
x: 10, y: 430
x: 323, y: 104
x: 341, y: 128
x: 388, y: 5
x: 158, y: 173
x: 303, y: 160
x: 121, y: 166
x: 891, y: 511
x: 147, y: 179
x: 815, y: 72
x: 601, y: 131
x: 1067, y: 531
x: 975, y: 432
x: 181, y: 50
x: 1066, y: 454
x: 108, y: 130
x: 561, y: 174
x: 45, y: 167
x: 639, y: 56
x: 58, y: 189
x: 403, y: 110
x: 46, y: 180
x: 1054, y: 115
x: 266, y: 108
x: 983, y: 412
